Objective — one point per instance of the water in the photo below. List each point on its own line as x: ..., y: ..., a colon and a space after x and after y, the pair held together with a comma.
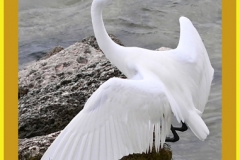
x: 149, y: 24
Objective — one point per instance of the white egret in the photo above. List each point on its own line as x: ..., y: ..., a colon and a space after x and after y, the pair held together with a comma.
x: 121, y: 115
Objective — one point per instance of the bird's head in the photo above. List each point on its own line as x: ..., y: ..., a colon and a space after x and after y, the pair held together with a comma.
x: 102, y: 3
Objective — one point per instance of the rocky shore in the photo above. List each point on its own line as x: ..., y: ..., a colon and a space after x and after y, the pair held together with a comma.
x: 55, y: 88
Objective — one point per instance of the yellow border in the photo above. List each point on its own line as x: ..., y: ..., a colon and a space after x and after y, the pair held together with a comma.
x: 1, y: 80
x: 10, y: 79
x: 229, y: 150
x: 238, y: 77
x: 229, y: 80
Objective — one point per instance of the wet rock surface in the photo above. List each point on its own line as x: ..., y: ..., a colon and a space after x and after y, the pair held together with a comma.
x: 54, y: 89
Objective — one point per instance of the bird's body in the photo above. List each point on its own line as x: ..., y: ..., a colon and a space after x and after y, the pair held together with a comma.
x: 121, y: 116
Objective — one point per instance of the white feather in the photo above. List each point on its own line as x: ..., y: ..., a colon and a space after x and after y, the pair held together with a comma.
x: 121, y: 116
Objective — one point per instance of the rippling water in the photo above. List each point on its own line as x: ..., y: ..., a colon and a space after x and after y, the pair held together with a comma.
x: 44, y: 24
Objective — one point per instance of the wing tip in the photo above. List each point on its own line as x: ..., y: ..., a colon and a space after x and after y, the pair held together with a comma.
x: 184, y: 19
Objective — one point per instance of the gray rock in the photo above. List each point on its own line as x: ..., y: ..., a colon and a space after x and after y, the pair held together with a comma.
x: 34, y: 148
x: 53, y: 90
x: 93, y: 42
x: 52, y: 52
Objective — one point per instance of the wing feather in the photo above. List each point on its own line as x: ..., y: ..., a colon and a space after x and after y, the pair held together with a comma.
x: 189, y: 95
x: 192, y: 49
x: 102, y: 147
x: 115, y: 121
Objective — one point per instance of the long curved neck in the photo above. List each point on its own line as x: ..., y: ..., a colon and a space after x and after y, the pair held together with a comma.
x: 104, y: 41
x: 111, y: 50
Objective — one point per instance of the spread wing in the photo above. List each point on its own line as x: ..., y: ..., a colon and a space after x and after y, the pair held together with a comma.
x: 189, y: 86
x: 191, y: 47
x: 117, y: 120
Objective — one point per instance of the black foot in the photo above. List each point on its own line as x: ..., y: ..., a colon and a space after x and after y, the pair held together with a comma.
x: 175, y: 135
x: 182, y: 129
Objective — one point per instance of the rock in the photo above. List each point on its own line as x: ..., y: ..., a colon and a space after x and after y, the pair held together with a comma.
x: 52, y: 52
x: 44, y: 84
x: 34, y: 148
x: 93, y: 42
x: 22, y: 90
x: 164, y: 153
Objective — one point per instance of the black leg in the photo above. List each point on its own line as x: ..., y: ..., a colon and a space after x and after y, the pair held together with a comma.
x: 182, y: 129
x: 175, y: 135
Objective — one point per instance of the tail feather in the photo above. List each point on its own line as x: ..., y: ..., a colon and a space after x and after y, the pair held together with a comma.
x: 197, y: 125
